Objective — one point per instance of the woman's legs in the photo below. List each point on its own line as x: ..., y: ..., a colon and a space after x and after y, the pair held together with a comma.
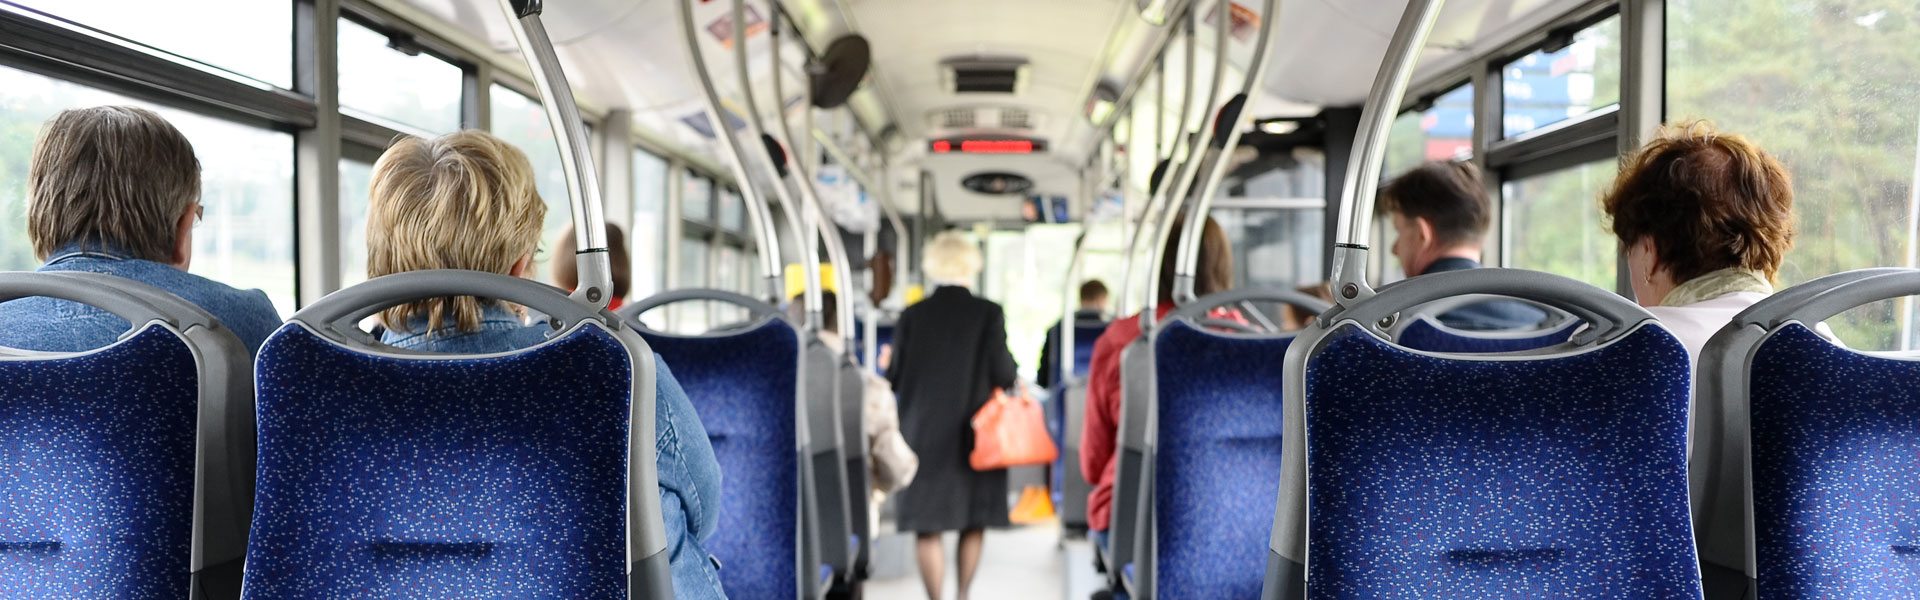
x: 933, y: 563
x: 971, y: 541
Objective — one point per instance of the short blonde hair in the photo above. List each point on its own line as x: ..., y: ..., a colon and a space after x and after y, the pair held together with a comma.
x: 465, y: 200
x: 117, y: 176
x: 950, y: 257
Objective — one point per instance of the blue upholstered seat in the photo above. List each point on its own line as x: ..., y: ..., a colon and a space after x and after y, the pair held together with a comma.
x: 1423, y: 333
x: 1835, y: 438
x: 1217, y: 467
x: 495, y: 476
x: 1432, y: 476
x: 97, y: 471
x: 744, y: 385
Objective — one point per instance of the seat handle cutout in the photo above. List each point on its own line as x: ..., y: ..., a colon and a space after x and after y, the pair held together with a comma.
x: 412, y: 549
x: 34, y: 547
x: 1497, y: 556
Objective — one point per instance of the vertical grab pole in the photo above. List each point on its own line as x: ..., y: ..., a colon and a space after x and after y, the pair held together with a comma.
x: 1198, y: 154
x: 1071, y: 300
x: 1349, y: 277
x: 757, y: 206
x: 583, y: 185
x: 776, y: 165
x: 823, y: 224
x: 1189, y: 257
x: 646, y: 562
x: 1147, y: 219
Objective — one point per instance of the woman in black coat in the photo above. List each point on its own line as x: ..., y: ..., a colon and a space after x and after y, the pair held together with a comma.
x: 950, y: 353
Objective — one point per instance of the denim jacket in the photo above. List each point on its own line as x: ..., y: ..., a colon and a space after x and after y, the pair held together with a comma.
x: 689, y: 473
x: 50, y: 325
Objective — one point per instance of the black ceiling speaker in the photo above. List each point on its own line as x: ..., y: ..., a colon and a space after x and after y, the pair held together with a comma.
x: 838, y: 73
x: 997, y: 183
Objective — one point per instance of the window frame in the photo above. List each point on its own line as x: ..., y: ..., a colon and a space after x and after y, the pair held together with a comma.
x: 1600, y: 134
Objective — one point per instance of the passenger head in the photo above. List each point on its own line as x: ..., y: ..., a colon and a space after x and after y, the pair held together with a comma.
x: 1694, y: 201
x: 114, y: 177
x: 829, y: 310
x: 951, y: 259
x: 566, y: 270
x: 460, y: 201
x: 1093, y: 295
x: 1214, y: 270
x: 1439, y: 210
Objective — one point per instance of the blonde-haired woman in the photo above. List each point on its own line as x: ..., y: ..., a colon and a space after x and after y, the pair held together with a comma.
x: 467, y: 201
x: 950, y: 353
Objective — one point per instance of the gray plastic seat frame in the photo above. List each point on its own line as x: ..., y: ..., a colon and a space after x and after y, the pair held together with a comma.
x: 336, y: 318
x: 853, y: 413
x: 1608, y: 317
x: 818, y: 410
x: 224, y: 424
x: 1720, y: 460
x: 1133, y: 538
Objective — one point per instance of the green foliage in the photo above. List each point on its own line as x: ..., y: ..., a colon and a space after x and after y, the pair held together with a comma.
x: 1828, y: 87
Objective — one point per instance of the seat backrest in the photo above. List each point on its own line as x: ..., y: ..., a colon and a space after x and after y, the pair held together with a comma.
x: 1423, y: 332
x: 745, y: 385
x: 1217, y: 454
x: 125, y: 471
x: 389, y: 473
x: 1085, y: 334
x: 1132, y: 470
x: 853, y: 430
x: 827, y: 457
x: 1554, y: 474
x: 1828, y: 436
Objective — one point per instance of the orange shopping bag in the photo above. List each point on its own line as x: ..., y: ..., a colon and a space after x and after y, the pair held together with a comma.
x: 1010, y: 431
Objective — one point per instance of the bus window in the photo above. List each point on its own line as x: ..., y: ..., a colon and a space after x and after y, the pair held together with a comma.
x: 1544, y: 88
x: 1554, y: 223
x: 419, y: 91
x: 521, y: 121
x: 254, y: 38
x: 247, y: 186
x: 1829, y: 91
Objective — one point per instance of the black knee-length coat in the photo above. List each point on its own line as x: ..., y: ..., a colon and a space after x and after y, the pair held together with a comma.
x: 950, y: 352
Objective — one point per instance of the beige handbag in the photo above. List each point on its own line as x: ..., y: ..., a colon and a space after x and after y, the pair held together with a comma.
x: 894, y: 462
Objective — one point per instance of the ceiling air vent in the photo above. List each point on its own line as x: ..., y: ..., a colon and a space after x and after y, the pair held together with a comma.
x: 984, y: 75
x: 1015, y: 118
x: 958, y: 118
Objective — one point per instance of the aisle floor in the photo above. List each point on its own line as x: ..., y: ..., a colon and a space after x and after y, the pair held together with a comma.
x: 1027, y: 562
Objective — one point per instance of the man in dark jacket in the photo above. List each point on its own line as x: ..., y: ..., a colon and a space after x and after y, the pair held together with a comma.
x: 1440, y: 217
x: 1093, y: 309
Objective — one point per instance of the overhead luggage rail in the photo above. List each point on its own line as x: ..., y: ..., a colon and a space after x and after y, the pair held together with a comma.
x: 138, y: 486
x: 1783, y: 415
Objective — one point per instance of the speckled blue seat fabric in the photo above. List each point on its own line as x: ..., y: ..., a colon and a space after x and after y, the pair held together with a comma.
x: 744, y: 386
x: 495, y: 477
x: 1438, y: 477
x: 1836, y: 470
x: 1217, y: 471
x: 1422, y: 334
x: 96, y: 471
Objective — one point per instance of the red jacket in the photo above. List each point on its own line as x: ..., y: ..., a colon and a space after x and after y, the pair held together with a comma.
x: 1099, y: 439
